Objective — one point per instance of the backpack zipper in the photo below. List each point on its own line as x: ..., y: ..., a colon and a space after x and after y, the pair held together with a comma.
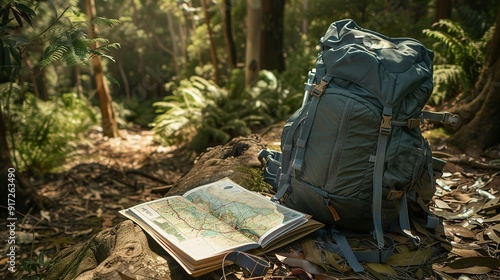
x: 339, y: 144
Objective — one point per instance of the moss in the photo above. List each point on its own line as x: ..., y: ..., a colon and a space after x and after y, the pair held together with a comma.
x: 252, y: 179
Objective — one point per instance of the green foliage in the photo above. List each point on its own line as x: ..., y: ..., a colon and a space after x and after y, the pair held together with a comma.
x: 32, y: 269
x: 43, y: 134
x: 448, y: 79
x: 74, y: 47
x: 458, y: 61
x: 12, y: 17
x: 202, y: 114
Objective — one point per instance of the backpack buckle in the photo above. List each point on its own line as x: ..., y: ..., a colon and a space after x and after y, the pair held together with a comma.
x: 394, y: 194
x: 449, y: 118
x: 385, y: 126
x: 413, y: 123
x: 318, y: 90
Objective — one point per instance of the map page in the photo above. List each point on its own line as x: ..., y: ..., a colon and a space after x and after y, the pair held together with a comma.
x: 185, y: 226
x: 248, y: 212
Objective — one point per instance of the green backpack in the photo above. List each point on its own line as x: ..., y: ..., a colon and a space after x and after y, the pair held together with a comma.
x: 353, y: 156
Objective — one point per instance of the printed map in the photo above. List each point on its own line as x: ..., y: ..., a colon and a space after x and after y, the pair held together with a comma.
x: 245, y: 211
x: 215, y: 218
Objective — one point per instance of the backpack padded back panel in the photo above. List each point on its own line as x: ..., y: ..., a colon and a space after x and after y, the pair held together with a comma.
x: 368, y: 73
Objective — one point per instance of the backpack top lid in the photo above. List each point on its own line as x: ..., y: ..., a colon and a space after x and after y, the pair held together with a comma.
x: 390, y: 68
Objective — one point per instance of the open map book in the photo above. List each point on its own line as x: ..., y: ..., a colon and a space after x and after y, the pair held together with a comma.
x: 200, y: 227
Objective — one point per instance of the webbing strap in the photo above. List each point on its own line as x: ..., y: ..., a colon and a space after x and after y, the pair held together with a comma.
x: 343, y: 248
x: 346, y: 252
x: 404, y: 221
x: 378, y: 170
x: 443, y: 117
x: 283, y: 172
x: 254, y: 265
x: 308, y: 122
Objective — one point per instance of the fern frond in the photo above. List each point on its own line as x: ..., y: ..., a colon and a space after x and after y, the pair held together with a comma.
x: 106, y: 21
x: 448, y: 80
x: 55, y: 52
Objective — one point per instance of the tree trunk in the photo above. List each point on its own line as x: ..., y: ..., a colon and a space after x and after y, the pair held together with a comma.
x: 481, y: 132
x: 443, y: 9
x: 175, y: 41
x: 271, y: 39
x: 305, y: 22
x: 228, y: 34
x: 108, y: 118
x: 213, y: 50
x: 252, y: 63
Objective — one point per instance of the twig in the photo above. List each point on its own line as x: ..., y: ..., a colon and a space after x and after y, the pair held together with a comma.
x: 149, y: 176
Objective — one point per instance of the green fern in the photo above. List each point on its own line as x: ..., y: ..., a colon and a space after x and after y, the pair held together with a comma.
x: 458, y: 60
x: 74, y: 47
x: 202, y: 114
x: 44, y: 134
x: 448, y: 80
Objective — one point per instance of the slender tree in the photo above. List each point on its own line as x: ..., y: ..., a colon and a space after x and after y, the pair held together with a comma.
x: 480, y: 125
x: 252, y: 51
x: 271, y: 40
x: 108, y: 117
x: 443, y: 9
x: 228, y: 33
x: 213, y: 50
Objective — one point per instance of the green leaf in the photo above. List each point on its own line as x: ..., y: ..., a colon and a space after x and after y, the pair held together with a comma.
x: 25, y: 9
x: 52, y: 7
x: 112, y: 79
x: 410, y: 258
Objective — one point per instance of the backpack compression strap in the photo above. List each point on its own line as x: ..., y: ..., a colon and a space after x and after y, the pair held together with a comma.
x: 378, y: 171
x: 307, y: 123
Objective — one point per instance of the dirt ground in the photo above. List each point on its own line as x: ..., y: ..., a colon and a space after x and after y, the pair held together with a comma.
x: 108, y: 175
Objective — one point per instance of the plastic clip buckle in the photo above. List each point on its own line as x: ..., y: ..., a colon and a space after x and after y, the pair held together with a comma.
x: 318, y: 90
x: 385, y: 126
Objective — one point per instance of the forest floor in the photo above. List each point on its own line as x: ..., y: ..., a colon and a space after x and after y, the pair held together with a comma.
x: 108, y: 175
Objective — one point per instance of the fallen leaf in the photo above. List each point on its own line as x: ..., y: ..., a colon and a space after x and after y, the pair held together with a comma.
x: 441, y: 204
x: 323, y: 257
x: 493, y: 233
x: 459, y: 230
x: 380, y: 269
x: 464, y: 253
x: 462, y: 197
x: 45, y: 215
x: 469, y: 246
x: 492, y: 204
x: 471, y: 265
x: 466, y: 212
x: 492, y: 219
x: 295, y: 260
x: 410, y: 258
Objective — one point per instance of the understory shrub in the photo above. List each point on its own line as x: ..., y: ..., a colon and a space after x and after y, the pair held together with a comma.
x: 42, y: 135
x: 201, y: 114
